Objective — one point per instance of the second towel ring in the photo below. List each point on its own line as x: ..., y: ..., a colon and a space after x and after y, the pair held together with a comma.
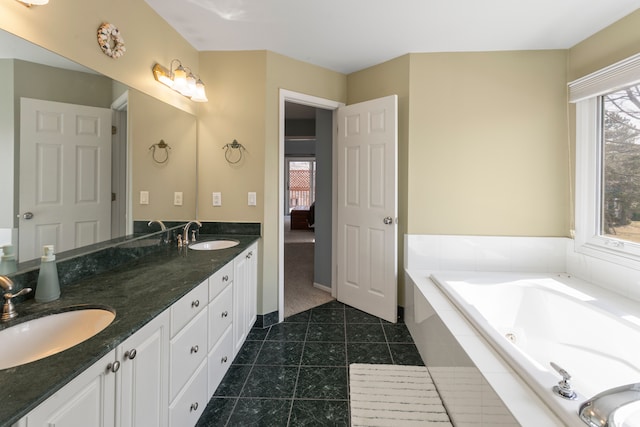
x: 162, y: 146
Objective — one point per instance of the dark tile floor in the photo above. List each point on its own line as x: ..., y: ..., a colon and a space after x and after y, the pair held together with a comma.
x: 295, y: 373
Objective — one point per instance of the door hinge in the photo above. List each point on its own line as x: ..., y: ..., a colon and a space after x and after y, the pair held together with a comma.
x: 113, y: 197
x: 114, y: 130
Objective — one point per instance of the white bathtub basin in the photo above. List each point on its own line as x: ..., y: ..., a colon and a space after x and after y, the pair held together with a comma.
x: 45, y: 336
x: 212, y: 245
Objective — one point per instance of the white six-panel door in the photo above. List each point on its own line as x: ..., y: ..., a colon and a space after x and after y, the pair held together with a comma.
x: 65, y: 176
x: 367, y: 207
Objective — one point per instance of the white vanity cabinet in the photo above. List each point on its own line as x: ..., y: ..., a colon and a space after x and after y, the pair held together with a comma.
x: 130, y: 381
x: 165, y: 373
x: 187, y: 391
x: 88, y: 400
x: 245, y: 290
x: 144, y: 375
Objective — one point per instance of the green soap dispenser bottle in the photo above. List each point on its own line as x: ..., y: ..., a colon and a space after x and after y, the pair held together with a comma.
x: 48, y: 288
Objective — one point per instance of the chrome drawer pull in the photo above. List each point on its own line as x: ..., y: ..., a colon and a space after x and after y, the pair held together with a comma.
x: 224, y: 360
x: 225, y: 278
x: 194, y: 406
x: 195, y: 304
x: 194, y: 349
x: 225, y: 313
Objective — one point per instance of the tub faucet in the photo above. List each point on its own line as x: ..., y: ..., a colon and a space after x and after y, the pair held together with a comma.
x: 599, y: 411
x: 8, y: 309
x: 185, y: 235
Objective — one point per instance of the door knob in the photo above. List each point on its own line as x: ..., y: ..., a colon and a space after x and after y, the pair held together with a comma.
x: 27, y: 215
x: 388, y: 220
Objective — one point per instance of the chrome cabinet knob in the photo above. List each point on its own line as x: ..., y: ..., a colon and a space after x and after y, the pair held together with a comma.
x: 194, y: 349
x: 195, y: 304
x: 130, y: 354
x: 113, y: 367
x: 225, y: 313
x: 194, y: 406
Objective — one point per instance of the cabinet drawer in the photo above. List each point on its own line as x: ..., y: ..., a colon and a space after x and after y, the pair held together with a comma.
x: 190, y: 403
x: 220, y: 359
x: 188, y: 350
x: 220, y: 315
x: 220, y: 280
x: 187, y: 307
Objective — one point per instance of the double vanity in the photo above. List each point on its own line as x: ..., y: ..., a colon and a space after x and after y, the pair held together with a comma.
x: 181, y: 315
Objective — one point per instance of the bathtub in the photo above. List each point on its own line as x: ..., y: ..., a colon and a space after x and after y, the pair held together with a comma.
x: 531, y: 320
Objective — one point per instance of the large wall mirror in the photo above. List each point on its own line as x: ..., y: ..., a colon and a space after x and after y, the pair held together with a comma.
x: 84, y: 156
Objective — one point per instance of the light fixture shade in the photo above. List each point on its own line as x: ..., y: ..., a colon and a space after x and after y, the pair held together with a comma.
x: 179, y: 79
x: 200, y: 95
x: 190, y: 86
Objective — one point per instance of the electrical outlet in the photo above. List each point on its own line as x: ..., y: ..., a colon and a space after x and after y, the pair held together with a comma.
x: 177, y: 198
x: 251, y: 199
x: 144, y: 197
x: 217, y: 198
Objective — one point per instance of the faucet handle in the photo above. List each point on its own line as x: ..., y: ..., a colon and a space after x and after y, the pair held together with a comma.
x: 8, y: 309
x: 563, y: 389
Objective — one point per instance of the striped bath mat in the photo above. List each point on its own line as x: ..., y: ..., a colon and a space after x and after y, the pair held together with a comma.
x: 394, y: 395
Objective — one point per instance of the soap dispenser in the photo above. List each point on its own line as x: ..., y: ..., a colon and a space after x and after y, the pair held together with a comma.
x: 8, y: 263
x: 48, y: 288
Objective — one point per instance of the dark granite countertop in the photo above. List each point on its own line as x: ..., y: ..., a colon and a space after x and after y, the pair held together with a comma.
x: 137, y: 291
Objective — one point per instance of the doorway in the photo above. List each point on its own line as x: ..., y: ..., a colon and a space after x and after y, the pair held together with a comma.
x: 319, y: 185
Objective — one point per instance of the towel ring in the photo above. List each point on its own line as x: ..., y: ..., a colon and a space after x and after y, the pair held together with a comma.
x: 229, y: 152
x: 163, y: 146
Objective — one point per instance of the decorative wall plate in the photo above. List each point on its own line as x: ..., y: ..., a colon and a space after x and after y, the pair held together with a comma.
x: 110, y: 41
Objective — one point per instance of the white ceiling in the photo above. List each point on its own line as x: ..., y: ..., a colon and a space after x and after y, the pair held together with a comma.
x: 349, y: 35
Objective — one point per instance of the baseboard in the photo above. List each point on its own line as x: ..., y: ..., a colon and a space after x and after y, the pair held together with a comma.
x: 266, y: 320
x: 322, y: 287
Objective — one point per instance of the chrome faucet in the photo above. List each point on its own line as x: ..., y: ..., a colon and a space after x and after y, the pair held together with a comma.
x: 157, y: 221
x: 185, y: 234
x: 8, y: 309
x: 600, y: 409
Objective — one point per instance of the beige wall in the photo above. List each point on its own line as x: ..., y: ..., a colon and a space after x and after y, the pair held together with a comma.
x: 488, y: 147
x: 69, y: 28
x: 243, y: 93
x: 150, y: 121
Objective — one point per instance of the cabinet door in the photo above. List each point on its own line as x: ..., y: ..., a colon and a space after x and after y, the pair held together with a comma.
x: 144, y: 367
x: 188, y: 350
x: 220, y: 315
x: 252, y: 285
x: 88, y: 400
x: 239, y: 302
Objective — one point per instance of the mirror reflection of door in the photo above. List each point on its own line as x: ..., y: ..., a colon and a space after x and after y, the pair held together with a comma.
x: 300, y: 181
x: 65, y: 176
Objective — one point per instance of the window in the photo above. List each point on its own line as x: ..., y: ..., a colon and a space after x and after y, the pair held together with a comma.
x: 620, y: 174
x: 608, y: 162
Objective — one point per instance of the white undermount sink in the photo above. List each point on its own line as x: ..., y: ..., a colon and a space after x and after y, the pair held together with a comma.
x: 212, y: 245
x: 45, y: 336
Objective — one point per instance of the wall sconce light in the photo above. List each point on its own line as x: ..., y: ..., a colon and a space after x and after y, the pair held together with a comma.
x: 182, y: 80
x: 30, y: 3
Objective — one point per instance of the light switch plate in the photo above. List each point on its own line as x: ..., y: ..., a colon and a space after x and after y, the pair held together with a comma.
x: 251, y: 199
x: 177, y: 198
x: 144, y: 197
x: 217, y: 198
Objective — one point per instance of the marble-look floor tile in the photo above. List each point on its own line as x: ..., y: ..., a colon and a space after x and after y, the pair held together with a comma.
x: 397, y: 333
x: 331, y: 332
x: 319, y: 413
x: 324, y: 354
x: 322, y: 383
x: 280, y: 353
x: 257, y: 334
x: 217, y: 412
x: 271, y: 382
x: 260, y: 413
x: 368, y: 353
x: 248, y: 353
x: 299, y: 318
x: 356, y: 316
x: 233, y: 381
x: 405, y: 354
x: 327, y: 315
x: 287, y: 332
x: 365, y: 333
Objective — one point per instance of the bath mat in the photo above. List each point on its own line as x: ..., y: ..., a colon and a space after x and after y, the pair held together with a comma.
x: 394, y: 395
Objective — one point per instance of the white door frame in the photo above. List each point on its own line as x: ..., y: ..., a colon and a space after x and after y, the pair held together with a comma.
x: 326, y: 104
